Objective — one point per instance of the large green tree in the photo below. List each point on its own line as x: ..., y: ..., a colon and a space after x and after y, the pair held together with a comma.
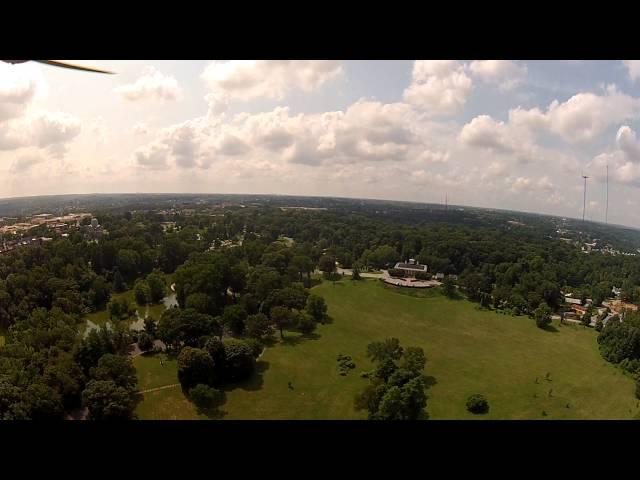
x: 195, y: 366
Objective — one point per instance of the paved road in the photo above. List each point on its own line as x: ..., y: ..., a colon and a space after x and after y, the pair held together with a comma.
x: 348, y: 271
x: 393, y: 281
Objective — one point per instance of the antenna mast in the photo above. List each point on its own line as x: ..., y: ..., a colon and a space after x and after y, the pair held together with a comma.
x: 584, y: 197
x: 606, y: 212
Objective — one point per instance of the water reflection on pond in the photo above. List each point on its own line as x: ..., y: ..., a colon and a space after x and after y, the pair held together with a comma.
x: 137, y: 324
x: 170, y: 301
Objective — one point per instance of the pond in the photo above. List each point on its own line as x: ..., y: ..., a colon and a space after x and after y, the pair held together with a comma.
x: 136, y: 324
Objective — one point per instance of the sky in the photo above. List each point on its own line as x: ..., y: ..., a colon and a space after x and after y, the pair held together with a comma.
x: 505, y: 134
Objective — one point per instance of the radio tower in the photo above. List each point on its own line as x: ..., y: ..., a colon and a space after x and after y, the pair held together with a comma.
x: 606, y: 211
x: 584, y: 197
x: 446, y: 204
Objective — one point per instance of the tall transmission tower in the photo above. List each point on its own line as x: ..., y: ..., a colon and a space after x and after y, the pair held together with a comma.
x: 446, y: 202
x: 584, y: 197
x: 606, y: 211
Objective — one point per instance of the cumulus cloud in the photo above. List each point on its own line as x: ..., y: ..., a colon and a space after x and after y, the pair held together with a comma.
x: 486, y: 133
x: 542, y: 185
x: 25, y: 162
x: 627, y: 142
x: 250, y: 79
x: 46, y: 130
x: 582, y: 117
x: 100, y: 130
x: 633, y: 69
x: 152, y: 156
x: 19, y: 86
x: 152, y: 85
x: 14, y: 97
x: 140, y: 129
x: 53, y: 130
x: 365, y: 131
x: 623, y: 160
x: 429, y: 156
x: 21, y: 125
x: 504, y: 73
x: 438, y: 87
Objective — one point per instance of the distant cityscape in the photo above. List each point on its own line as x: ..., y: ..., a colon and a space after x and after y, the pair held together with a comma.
x: 42, y: 227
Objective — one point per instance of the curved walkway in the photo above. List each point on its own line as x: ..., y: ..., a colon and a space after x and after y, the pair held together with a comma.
x: 385, y: 277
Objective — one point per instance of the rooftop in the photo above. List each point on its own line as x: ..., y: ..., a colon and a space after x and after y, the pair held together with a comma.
x: 411, y: 266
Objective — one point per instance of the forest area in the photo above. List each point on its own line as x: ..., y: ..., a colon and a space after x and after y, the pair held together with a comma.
x: 233, y: 296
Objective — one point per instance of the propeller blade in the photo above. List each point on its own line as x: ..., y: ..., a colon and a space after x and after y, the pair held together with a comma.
x: 56, y: 63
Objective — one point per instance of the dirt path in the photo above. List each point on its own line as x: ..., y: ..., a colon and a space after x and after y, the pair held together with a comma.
x: 173, y: 385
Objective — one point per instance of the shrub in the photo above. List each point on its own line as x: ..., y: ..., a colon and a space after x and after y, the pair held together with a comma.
x: 477, y: 404
x: 316, y: 307
x: 142, y: 292
x: 345, y: 364
x: 305, y: 323
x: 332, y: 277
x: 239, y: 360
x: 258, y: 326
x: 205, y: 397
x: 255, y: 345
x: 396, y: 272
x: 145, y: 342
x: 195, y: 366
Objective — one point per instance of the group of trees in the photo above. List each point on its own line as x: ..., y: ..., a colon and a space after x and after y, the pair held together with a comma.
x: 48, y: 370
x: 396, y: 388
x: 498, y: 266
x: 619, y: 343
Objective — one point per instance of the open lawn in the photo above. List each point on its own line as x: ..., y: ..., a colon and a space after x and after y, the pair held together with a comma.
x: 468, y: 351
x: 152, y: 373
x: 167, y: 404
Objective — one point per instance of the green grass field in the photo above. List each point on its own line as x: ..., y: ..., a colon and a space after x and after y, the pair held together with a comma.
x: 152, y: 373
x: 468, y: 351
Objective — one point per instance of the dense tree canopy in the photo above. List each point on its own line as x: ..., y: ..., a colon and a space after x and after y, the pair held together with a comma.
x: 396, y: 388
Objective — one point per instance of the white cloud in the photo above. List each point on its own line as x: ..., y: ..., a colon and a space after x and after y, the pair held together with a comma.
x: 627, y: 142
x: 520, y: 184
x: 100, y: 129
x: 230, y: 145
x: 429, y: 156
x: 47, y: 130
x: 366, y: 131
x: 19, y: 86
x: 582, y: 117
x: 250, y: 79
x: 152, y: 156
x: 623, y: 160
x: 53, y: 128
x: 152, y: 85
x: 439, y: 87
x: 140, y: 129
x: 633, y: 69
x: 505, y: 73
x: 25, y: 162
x: 542, y: 186
x: 485, y: 133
